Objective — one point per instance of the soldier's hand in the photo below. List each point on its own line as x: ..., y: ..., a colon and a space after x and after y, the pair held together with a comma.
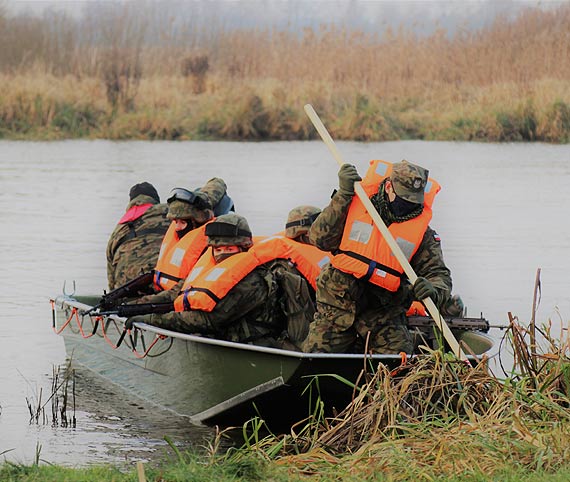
x: 105, y: 304
x: 137, y: 319
x: 347, y: 176
x: 423, y: 288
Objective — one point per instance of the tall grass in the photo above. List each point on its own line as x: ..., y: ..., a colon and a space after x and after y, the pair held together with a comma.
x: 507, y: 82
x: 435, y: 418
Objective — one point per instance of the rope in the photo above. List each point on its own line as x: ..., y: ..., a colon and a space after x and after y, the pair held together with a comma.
x: 145, y: 353
x: 95, y: 320
x: 74, y: 314
x: 107, y: 339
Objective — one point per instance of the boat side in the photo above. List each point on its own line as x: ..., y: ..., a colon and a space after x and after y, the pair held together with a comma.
x: 208, y: 380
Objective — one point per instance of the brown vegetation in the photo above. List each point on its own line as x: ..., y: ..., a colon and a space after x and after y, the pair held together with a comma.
x: 507, y: 82
x: 436, y: 418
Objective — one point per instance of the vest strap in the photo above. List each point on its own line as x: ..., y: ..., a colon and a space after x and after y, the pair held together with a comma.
x: 158, y: 275
x: 372, y: 265
x: 201, y: 290
x: 133, y: 233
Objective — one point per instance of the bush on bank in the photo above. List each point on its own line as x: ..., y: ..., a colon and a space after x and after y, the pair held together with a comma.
x: 266, y: 111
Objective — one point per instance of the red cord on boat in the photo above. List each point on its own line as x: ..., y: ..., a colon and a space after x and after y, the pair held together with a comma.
x: 404, y: 360
x: 107, y: 339
x: 142, y: 355
x: 75, y: 314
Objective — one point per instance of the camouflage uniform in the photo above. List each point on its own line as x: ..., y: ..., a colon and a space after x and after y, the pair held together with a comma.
x: 248, y: 313
x: 133, y: 247
x: 349, y: 309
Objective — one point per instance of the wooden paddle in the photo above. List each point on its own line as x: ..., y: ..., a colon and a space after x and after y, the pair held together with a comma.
x: 410, y: 273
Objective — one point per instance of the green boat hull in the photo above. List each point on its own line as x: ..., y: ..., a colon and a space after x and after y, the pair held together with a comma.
x: 213, y: 381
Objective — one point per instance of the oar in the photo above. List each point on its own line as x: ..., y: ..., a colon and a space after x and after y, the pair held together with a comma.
x: 410, y: 273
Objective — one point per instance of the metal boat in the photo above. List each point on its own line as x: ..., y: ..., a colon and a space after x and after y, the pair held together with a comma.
x: 213, y: 381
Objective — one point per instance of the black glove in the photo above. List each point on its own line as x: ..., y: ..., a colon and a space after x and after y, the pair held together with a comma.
x: 137, y: 319
x: 423, y: 288
x: 347, y: 176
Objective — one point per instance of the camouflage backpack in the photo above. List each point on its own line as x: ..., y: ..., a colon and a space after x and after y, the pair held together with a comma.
x: 296, y: 300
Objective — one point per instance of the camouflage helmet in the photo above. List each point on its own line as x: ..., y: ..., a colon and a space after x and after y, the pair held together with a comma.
x: 299, y: 220
x: 409, y: 181
x: 185, y: 204
x: 229, y: 230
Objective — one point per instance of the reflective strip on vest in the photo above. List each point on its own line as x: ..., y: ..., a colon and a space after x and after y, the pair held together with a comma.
x: 177, y: 257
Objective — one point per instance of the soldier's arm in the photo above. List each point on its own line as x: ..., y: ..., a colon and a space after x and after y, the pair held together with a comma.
x: 428, y: 262
x: 110, y: 275
x: 184, y: 322
x: 326, y: 231
x: 250, y: 293
x: 215, y: 189
x: 247, y: 295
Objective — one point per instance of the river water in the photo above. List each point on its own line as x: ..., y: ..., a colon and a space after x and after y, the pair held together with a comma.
x: 500, y: 214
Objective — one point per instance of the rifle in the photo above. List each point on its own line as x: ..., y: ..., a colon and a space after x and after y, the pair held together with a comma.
x: 458, y: 323
x: 110, y: 300
x: 127, y: 311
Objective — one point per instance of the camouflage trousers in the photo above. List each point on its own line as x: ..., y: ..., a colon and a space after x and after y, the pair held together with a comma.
x: 353, y: 315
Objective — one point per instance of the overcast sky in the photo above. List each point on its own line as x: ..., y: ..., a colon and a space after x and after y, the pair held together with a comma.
x: 421, y: 15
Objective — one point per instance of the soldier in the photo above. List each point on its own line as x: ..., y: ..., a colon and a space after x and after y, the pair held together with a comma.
x: 134, y: 244
x: 362, y: 295
x: 185, y: 241
x: 296, y: 280
x: 240, y: 304
x: 299, y: 220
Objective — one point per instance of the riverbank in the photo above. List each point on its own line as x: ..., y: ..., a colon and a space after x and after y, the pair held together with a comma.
x: 432, y: 418
x: 134, y: 77
x: 257, y: 469
x: 45, y: 107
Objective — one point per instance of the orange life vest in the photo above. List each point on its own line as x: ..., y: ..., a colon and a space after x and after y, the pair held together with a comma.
x: 363, y: 251
x: 417, y: 309
x: 178, y: 256
x: 308, y: 259
x: 209, y: 282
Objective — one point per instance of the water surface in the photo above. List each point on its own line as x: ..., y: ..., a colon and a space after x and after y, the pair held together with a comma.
x: 501, y: 215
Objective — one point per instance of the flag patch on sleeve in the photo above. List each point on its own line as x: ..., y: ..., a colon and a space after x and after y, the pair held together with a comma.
x: 436, y: 237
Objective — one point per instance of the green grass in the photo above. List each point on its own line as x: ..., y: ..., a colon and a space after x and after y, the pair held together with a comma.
x: 198, y: 468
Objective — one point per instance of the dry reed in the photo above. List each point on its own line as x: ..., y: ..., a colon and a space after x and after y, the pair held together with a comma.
x: 436, y: 417
x: 506, y: 82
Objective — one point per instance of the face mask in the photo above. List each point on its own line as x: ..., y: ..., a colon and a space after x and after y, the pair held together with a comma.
x: 400, y: 207
x: 190, y: 225
x: 220, y: 257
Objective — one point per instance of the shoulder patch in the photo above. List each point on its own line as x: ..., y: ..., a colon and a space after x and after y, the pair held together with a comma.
x: 436, y: 237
